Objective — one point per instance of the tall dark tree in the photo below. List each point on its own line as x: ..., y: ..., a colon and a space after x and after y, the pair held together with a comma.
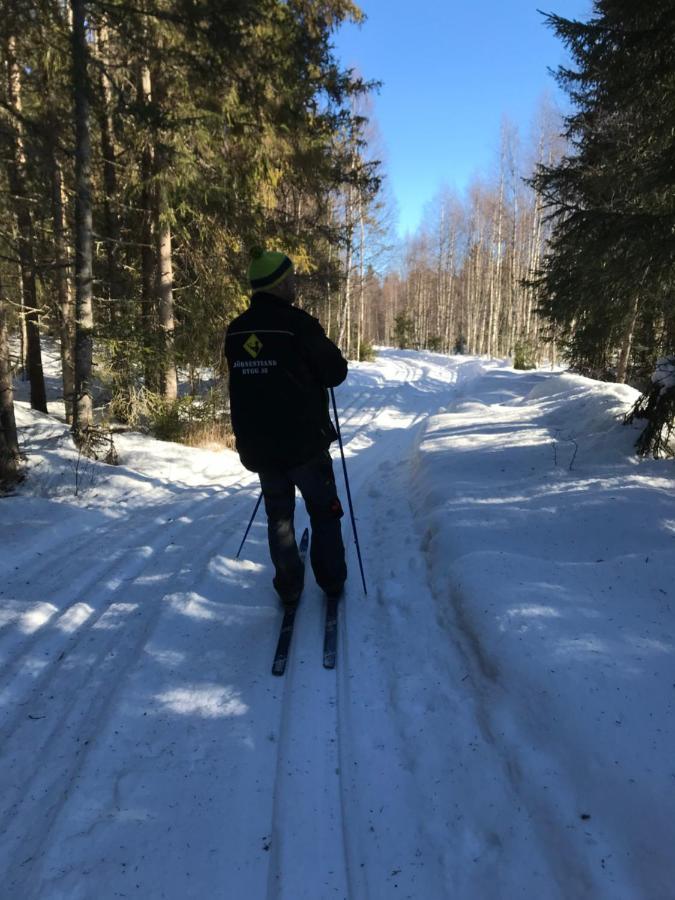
x: 605, y: 285
x: 16, y: 163
x: 84, y: 316
x: 165, y: 138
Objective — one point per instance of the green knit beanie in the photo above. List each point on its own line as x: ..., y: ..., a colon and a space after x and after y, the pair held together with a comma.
x: 267, y: 268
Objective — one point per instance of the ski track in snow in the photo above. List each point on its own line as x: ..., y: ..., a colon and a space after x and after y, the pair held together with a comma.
x: 148, y: 752
x: 76, y: 648
x: 103, y: 647
x: 309, y: 786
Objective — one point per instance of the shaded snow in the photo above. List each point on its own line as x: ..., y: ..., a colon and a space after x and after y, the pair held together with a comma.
x: 551, y: 559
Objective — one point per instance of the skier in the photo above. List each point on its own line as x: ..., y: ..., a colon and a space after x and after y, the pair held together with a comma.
x: 281, y: 364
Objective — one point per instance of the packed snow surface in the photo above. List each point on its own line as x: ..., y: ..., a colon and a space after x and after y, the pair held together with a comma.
x: 500, y: 723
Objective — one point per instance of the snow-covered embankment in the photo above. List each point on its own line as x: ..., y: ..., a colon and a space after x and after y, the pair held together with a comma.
x: 550, y: 548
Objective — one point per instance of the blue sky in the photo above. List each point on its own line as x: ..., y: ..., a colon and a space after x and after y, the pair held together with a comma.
x: 451, y: 71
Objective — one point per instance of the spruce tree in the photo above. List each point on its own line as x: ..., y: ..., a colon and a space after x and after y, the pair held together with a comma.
x: 163, y: 138
x: 604, y: 284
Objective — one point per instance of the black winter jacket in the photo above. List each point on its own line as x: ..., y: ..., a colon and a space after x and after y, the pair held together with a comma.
x: 281, y: 364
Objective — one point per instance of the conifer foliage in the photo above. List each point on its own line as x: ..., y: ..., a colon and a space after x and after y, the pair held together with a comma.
x: 605, y: 286
x: 146, y: 145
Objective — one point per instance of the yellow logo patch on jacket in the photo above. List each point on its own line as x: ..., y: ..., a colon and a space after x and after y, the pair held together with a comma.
x: 253, y: 345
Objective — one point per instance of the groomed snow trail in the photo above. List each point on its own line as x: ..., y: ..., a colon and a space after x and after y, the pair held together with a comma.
x: 470, y: 743
x: 147, y: 751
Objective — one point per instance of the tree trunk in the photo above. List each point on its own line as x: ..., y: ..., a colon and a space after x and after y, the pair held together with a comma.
x: 23, y: 331
x: 329, y: 329
x: 17, y: 180
x: 162, y: 230
x: 343, y: 334
x: 112, y: 236
x: 169, y: 379
x: 148, y: 265
x: 64, y: 288
x: 513, y: 323
x: 468, y: 301
x: 362, y: 246
x: 9, y: 442
x: 344, y: 330
x: 84, y: 316
x: 533, y: 263
x: 450, y: 326
x: 627, y: 343
x: 347, y: 321
x: 496, y: 278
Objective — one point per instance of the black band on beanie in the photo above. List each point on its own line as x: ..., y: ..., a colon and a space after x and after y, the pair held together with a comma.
x: 275, y: 276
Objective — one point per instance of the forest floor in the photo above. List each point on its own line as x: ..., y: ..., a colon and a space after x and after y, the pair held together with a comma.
x: 500, y: 722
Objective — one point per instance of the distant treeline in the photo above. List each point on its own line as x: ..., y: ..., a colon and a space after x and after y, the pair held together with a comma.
x: 580, y: 259
x: 462, y: 282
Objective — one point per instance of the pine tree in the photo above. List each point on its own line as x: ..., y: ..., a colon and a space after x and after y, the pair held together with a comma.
x: 162, y: 139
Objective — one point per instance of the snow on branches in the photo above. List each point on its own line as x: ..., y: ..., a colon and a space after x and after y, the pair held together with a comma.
x: 657, y: 406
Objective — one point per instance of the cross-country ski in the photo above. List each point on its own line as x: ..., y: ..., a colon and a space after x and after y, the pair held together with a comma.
x: 330, y: 633
x: 288, y: 621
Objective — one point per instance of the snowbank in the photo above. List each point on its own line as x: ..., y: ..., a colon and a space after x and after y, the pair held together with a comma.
x: 145, y: 464
x: 550, y: 550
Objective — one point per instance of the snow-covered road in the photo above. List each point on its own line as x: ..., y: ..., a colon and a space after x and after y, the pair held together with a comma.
x: 148, y: 752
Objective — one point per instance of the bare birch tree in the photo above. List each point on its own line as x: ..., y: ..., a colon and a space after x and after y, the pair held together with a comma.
x: 9, y: 442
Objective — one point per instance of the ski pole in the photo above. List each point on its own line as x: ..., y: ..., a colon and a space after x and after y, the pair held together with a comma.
x: 241, y: 546
x: 349, y: 493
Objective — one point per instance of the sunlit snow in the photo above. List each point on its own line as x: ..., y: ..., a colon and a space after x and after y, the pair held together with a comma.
x: 500, y: 722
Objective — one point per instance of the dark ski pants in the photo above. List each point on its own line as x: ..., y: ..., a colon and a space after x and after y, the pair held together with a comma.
x: 316, y: 482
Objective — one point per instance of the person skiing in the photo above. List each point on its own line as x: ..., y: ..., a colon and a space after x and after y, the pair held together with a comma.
x: 281, y: 364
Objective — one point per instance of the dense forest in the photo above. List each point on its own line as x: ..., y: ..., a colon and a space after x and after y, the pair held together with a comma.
x: 147, y: 145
